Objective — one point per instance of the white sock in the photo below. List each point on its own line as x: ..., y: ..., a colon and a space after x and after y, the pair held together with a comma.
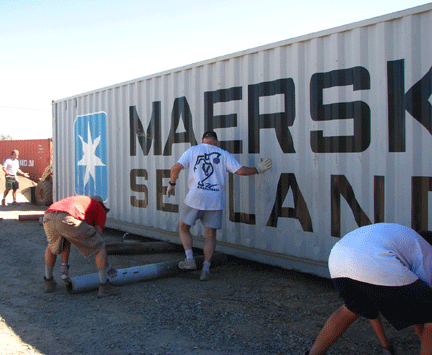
x: 189, y: 254
x: 206, y: 266
x: 49, y: 271
x: 103, y: 275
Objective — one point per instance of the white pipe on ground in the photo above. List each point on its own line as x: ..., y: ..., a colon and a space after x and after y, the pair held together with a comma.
x: 137, y: 273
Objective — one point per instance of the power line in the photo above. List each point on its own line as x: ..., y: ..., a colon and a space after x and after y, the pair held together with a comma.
x: 24, y: 108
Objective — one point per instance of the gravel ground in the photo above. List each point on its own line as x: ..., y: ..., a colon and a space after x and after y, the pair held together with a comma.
x: 245, y: 308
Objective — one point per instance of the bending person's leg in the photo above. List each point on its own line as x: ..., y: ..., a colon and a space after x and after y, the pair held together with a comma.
x: 335, y: 326
x: 426, y: 340
x: 378, y: 328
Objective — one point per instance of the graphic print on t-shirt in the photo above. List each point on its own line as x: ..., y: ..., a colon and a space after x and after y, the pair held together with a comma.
x: 205, y: 163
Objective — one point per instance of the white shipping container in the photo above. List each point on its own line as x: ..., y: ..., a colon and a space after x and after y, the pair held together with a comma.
x: 344, y: 114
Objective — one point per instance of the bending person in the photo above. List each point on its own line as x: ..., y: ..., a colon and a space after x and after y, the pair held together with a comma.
x: 77, y: 220
x: 381, y: 268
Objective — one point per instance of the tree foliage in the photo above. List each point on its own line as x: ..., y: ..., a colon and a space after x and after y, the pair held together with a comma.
x: 5, y: 137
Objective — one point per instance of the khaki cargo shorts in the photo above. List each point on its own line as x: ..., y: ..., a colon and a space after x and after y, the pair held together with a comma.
x: 59, y: 225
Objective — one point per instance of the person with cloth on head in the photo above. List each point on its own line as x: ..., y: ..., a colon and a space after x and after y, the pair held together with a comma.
x: 207, y: 165
x: 11, y: 170
x: 77, y: 220
x: 386, y: 269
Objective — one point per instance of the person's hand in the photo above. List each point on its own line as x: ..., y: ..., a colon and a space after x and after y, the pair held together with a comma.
x: 171, y: 190
x: 264, y: 166
x: 65, y: 274
x: 111, y: 272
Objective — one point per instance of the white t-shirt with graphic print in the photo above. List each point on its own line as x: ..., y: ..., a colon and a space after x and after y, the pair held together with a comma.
x: 208, y: 166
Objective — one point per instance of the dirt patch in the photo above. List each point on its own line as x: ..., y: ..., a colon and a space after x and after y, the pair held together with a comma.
x: 245, y: 308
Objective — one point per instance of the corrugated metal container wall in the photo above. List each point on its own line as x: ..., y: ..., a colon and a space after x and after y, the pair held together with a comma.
x: 34, y: 154
x: 343, y: 114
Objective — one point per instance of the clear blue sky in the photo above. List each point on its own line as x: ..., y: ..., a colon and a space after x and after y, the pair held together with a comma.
x: 52, y: 49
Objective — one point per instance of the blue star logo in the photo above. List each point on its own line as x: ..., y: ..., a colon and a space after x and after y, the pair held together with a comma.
x: 91, y: 170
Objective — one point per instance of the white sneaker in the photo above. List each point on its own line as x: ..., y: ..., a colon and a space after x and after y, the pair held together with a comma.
x: 187, y: 264
x: 205, y: 275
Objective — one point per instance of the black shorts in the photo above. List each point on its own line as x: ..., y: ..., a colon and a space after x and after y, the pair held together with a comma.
x: 402, y: 306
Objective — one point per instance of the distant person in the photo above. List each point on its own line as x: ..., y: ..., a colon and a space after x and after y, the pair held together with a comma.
x: 207, y: 165
x: 11, y: 170
x: 381, y: 268
x: 77, y: 220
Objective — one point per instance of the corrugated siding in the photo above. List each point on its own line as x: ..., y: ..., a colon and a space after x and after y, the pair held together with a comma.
x: 323, y: 192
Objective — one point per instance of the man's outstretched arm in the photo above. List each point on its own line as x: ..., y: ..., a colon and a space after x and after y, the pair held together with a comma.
x: 261, y: 168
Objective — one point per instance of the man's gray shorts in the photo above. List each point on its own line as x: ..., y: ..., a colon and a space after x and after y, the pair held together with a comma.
x: 209, y: 219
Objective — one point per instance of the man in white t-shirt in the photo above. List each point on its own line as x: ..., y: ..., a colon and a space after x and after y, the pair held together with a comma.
x: 381, y: 268
x: 207, y: 166
x: 11, y: 170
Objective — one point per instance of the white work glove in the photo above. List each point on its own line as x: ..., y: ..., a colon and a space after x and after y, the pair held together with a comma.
x: 264, y: 166
x: 170, y: 190
x: 65, y: 274
x: 111, y: 271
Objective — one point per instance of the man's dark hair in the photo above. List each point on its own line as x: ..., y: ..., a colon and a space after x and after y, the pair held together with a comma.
x: 209, y: 134
x: 427, y: 235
